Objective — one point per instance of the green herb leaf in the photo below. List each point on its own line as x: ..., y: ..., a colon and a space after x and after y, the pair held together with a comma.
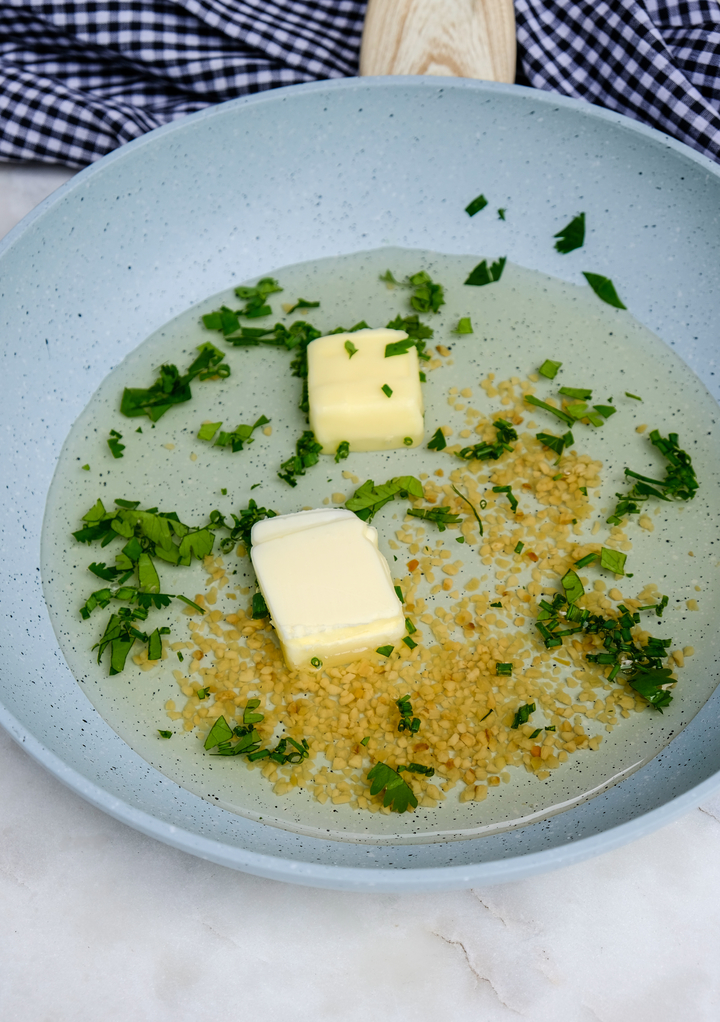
x: 342, y: 452
x: 604, y: 289
x: 302, y: 304
x: 557, y: 444
x: 563, y: 416
x: 572, y: 585
x: 510, y: 496
x: 170, y: 388
x: 482, y: 274
x: 387, y: 391
x: 484, y: 451
x: 605, y: 410
x: 208, y: 430
x: 476, y: 205
x: 503, y: 669
x: 680, y: 482
x: 368, y: 498
x: 399, y: 347
x: 579, y: 393
x: 549, y: 369
x: 440, y: 516
x: 398, y: 794
x: 519, y: 547
x: 307, y: 451
x: 165, y: 734
x: 464, y: 326
x: 220, y: 732
x: 522, y: 715
x: 535, y: 733
x: 351, y: 349
x: 501, y: 213
x: 613, y: 560
x: 438, y: 441
x: 572, y: 236
x: 649, y: 682
x: 587, y: 559
x: 633, y: 396
x: 472, y: 508
x: 116, y: 448
x: 384, y: 650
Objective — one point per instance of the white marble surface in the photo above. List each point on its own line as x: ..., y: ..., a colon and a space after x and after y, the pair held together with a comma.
x: 100, y: 923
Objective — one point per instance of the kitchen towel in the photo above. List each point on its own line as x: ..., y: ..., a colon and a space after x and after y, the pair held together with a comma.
x: 79, y: 79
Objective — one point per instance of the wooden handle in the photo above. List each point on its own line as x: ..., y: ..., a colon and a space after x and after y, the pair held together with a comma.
x: 460, y: 38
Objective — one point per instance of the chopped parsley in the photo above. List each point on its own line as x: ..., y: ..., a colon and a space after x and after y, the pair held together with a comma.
x: 482, y: 274
x: 633, y: 396
x: 387, y: 391
x: 165, y: 734
x: 170, y: 388
x: 501, y: 213
x: 307, y: 451
x: 236, y: 439
x: 369, y: 498
x: 399, y: 347
x: 343, y: 451
x: 680, y: 482
x: 259, y: 607
x: 476, y: 205
x: 241, y: 529
x: 302, y: 304
x: 438, y: 441
x: 398, y: 794
x: 572, y: 236
x: 640, y: 666
x: 557, y: 444
x: 116, y: 448
x: 503, y: 669
x: 426, y: 297
x: 384, y: 650
x: 351, y: 349
x: 484, y: 451
x: 464, y: 326
x: 604, y: 289
x: 549, y: 369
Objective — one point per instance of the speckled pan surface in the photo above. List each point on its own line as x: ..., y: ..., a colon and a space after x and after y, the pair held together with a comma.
x: 280, y: 178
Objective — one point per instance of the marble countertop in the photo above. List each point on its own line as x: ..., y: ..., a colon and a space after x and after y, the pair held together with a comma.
x: 102, y: 923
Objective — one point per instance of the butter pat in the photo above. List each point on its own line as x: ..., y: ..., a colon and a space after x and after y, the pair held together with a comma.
x: 327, y: 586
x: 346, y: 398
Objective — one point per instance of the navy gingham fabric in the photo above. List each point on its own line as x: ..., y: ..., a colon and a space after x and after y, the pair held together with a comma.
x: 79, y: 79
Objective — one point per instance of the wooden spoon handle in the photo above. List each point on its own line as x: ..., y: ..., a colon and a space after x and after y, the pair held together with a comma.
x: 461, y: 38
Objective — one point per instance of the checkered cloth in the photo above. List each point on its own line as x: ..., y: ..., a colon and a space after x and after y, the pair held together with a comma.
x: 78, y: 79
